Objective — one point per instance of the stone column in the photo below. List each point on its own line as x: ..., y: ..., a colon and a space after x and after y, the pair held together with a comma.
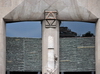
x: 97, y: 47
x: 50, y: 44
x: 2, y: 47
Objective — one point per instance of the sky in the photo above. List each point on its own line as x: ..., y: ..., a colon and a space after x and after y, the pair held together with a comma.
x: 32, y: 29
x: 80, y: 27
x: 24, y: 29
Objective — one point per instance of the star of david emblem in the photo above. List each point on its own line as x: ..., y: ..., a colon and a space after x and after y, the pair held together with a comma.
x: 50, y: 17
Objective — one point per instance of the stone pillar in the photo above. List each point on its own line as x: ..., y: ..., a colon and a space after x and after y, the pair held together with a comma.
x: 97, y: 47
x: 50, y: 44
x: 2, y: 47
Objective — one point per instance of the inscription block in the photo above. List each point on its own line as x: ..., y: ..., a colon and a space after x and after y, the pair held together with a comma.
x: 51, y: 59
x: 50, y: 42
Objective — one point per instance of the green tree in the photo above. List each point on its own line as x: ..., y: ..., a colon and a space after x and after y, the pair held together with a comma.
x: 88, y: 34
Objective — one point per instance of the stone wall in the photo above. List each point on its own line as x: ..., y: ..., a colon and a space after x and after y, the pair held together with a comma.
x: 25, y: 54
x: 77, y: 54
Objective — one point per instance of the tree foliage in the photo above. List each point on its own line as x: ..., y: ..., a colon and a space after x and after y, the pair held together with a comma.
x: 88, y: 34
